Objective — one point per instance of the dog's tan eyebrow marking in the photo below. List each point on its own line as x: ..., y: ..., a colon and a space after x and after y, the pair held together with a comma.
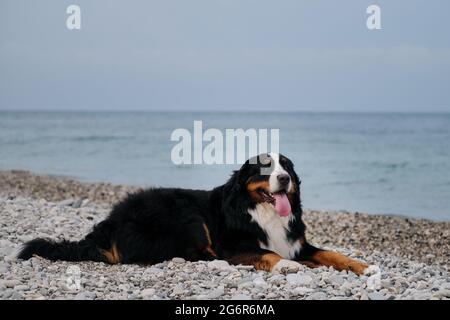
x: 255, y: 185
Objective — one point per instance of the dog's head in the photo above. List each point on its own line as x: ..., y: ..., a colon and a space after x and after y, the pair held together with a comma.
x: 267, y: 178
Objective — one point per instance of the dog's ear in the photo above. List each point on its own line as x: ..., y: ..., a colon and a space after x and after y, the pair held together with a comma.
x: 296, y: 180
x: 238, y: 179
x: 289, y: 166
x: 234, y: 183
x: 235, y: 199
x: 296, y: 202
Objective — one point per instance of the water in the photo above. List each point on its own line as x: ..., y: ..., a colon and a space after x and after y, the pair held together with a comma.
x: 375, y: 163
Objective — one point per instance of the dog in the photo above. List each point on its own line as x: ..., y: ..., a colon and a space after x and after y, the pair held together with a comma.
x: 255, y: 218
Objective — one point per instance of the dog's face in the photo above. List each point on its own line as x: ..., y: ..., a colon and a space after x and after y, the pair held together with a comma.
x: 270, y: 178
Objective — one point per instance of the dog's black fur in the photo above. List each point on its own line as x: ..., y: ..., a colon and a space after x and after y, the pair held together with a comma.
x: 158, y: 224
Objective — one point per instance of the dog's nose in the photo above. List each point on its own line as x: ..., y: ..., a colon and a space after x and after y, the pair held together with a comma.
x: 283, y: 179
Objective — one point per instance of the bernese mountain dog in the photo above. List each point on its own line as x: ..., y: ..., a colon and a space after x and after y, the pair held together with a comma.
x: 255, y: 218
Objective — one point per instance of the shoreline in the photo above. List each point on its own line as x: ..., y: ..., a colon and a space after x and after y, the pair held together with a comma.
x: 10, y: 177
x: 413, y: 254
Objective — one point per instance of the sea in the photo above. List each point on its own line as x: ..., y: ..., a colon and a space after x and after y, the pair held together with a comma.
x: 377, y: 163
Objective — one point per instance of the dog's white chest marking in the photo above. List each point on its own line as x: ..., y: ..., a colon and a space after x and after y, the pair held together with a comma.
x: 276, y: 228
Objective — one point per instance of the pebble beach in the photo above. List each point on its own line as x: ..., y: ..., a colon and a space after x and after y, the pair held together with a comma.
x: 410, y: 258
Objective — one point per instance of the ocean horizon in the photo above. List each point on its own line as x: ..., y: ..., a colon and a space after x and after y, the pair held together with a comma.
x: 377, y: 163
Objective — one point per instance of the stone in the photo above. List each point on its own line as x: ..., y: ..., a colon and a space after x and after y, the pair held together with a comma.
x: 178, y: 260
x: 302, y: 291
x: 318, y: 296
x: 153, y: 270
x: 3, y: 268
x: 17, y: 296
x: 244, y: 267
x: 9, y: 258
x: 220, y: 265
x: 240, y: 296
x: 77, y: 203
x: 21, y: 287
x: 376, y: 296
x: 178, y: 290
x: 442, y: 293
x: 147, y: 292
x: 85, y: 296
x: 335, y: 279
x: 216, y: 293
x: 66, y: 203
x: 298, y: 279
x: 7, y: 293
x: 11, y: 283
x: 259, y: 281
x: 276, y: 279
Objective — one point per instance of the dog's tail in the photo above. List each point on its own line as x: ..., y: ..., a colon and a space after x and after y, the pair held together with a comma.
x: 64, y: 250
x: 92, y: 248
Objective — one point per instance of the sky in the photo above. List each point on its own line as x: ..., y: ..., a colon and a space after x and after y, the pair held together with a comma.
x: 225, y: 55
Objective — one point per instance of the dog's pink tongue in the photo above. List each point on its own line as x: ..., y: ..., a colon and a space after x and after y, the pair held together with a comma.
x: 282, y: 204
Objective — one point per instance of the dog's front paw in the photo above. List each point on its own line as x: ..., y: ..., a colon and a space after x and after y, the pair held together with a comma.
x: 358, y: 267
x: 285, y: 266
x: 372, y: 270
